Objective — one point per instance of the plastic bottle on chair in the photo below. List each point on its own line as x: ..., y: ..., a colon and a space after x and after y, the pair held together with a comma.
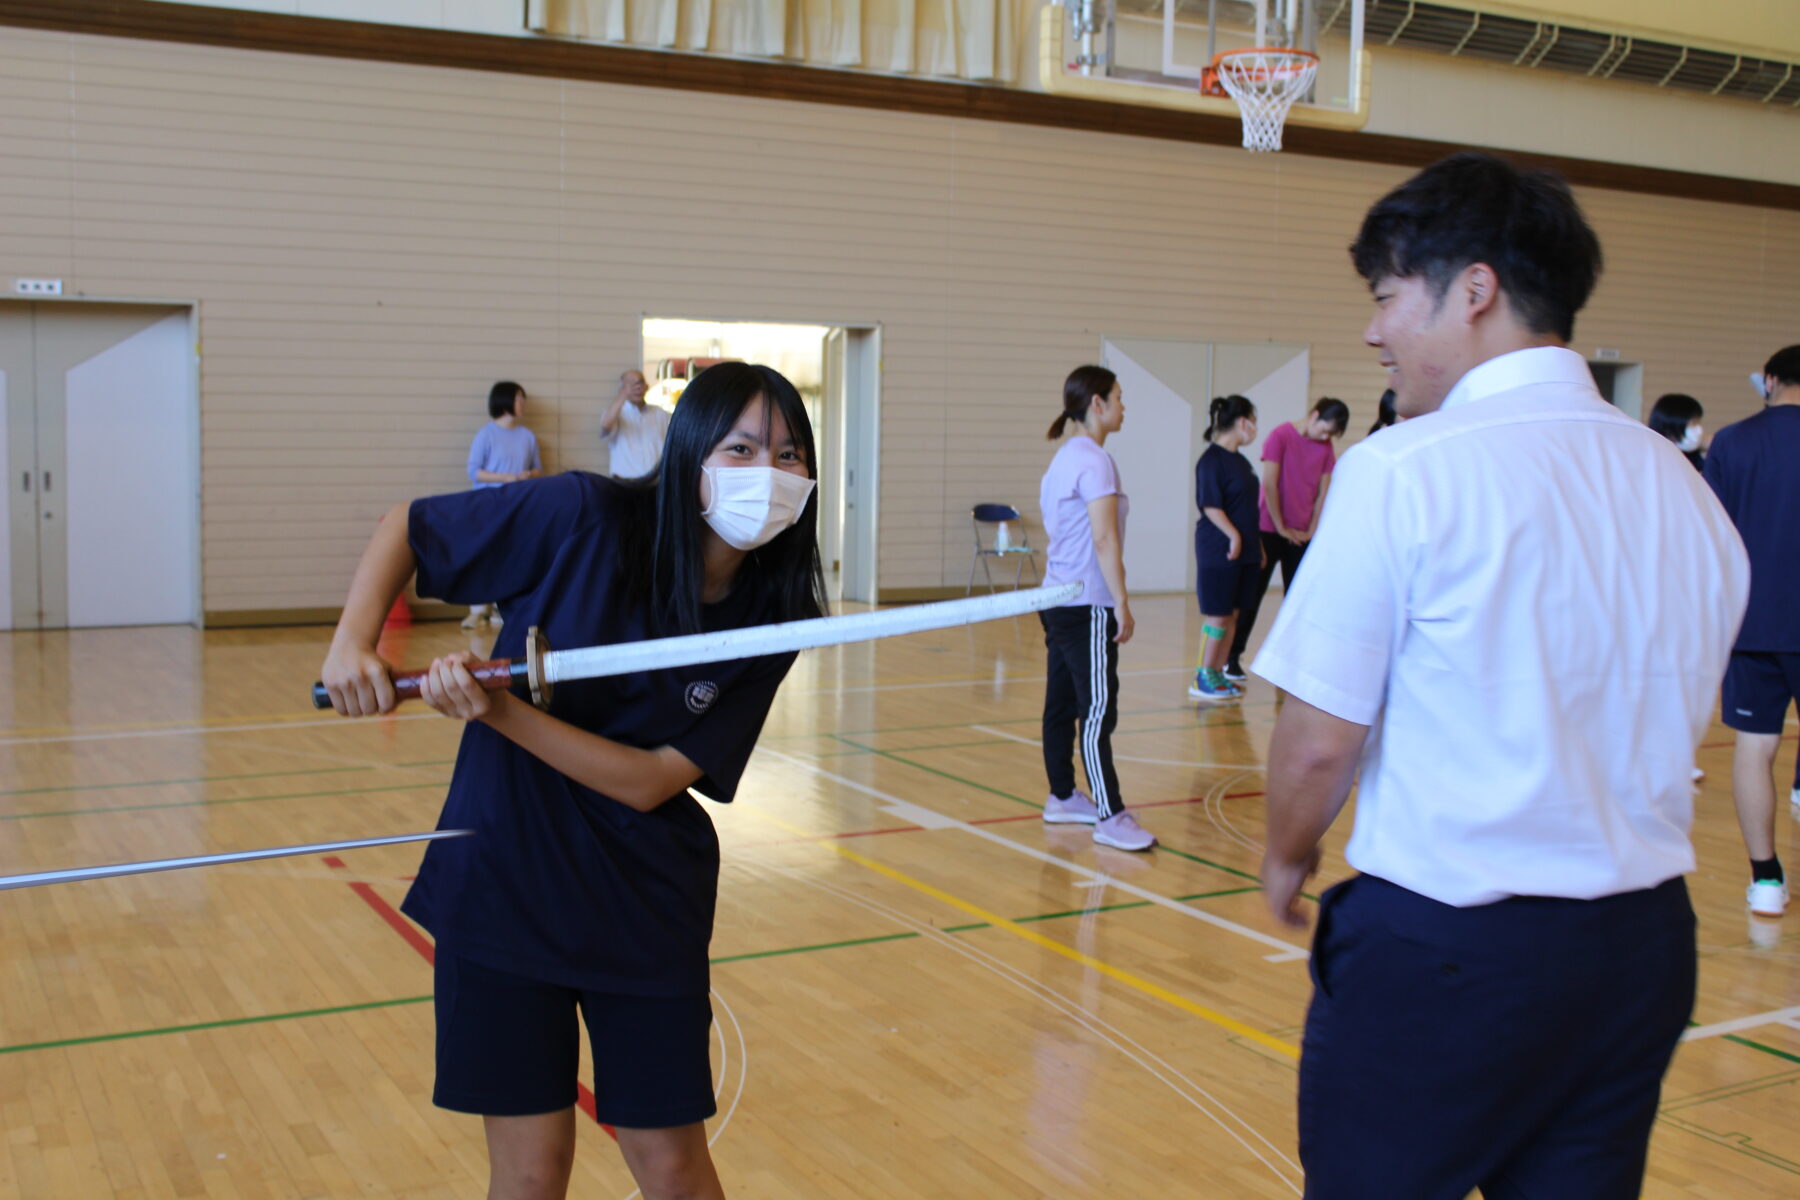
x: 1002, y: 537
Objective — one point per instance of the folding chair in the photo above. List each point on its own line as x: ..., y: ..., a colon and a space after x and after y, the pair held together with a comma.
x: 1005, y: 539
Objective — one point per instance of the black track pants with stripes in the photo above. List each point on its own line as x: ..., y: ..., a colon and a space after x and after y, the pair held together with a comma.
x: 1082, y: 696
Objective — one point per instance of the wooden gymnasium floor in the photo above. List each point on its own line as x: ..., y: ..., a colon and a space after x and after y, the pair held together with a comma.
x: 922, y: 991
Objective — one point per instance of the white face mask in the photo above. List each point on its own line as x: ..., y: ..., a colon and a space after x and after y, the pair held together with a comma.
x: 1690, y: 441
x: 751, y: 505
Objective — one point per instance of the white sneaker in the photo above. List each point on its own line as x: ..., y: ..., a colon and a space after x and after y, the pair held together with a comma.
x: 473, y: 621
x: 496, y: 621
x: 1122, y: 832
x: 1078, y: 809
x: 1765, y: 897
x: 1699, y: 774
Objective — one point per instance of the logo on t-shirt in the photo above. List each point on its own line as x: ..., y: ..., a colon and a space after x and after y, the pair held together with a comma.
x: 701, y: 694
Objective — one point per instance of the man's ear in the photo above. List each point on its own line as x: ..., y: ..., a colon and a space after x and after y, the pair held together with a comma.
x: 1476, y: 291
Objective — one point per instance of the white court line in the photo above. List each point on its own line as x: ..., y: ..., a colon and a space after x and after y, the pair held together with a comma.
x: 1778, y: 1016
x: 719, y: 1088
x: 984, y: 681
x: 928, y: 818
x: 1159, y: 762
x: 190, y: 730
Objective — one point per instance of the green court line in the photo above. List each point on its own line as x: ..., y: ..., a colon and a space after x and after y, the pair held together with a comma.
x: 895, y: 756
x: 868, y: 941
x: 1744, y: 1041
x: 1032, y: 720
x: 729, y: 958
x: 124, y: 808
x: 224, y: 1024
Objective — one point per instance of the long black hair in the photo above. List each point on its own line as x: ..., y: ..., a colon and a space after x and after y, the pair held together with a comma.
x: 1385, y: 413
x: 1079, y: 390
x: 1673, y: 413
x: 666, y: 540
x: 1226, y: 412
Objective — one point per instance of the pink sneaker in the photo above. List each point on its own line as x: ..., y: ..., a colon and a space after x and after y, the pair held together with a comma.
x: 1078, y: 809
x: 1122, y: 832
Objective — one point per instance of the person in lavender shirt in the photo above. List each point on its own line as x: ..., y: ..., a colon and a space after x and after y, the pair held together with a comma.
x: 1298, y: 459
x: 1084, y: 506
x: 504, y: 451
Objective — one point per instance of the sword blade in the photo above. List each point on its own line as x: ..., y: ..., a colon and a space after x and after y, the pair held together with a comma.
x: 76, y: 874
x: 625, y: 658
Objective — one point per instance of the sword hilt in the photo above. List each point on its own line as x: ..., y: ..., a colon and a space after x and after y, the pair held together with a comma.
x: 493, y: 674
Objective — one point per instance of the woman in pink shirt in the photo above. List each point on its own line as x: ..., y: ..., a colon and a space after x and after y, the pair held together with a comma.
x: 1297, y: 462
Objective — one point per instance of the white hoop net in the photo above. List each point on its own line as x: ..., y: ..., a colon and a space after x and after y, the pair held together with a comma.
x: 1265, y: 84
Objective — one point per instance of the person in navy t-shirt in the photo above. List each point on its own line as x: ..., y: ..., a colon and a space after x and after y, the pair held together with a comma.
x: 1228, y: 559
x: 591, y: 876
x: 1754, y: 469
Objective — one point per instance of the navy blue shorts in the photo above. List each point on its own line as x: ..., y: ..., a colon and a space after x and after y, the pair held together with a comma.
x: 1226, y: 587
x: 508, y: 1046
x: 1759, y: 686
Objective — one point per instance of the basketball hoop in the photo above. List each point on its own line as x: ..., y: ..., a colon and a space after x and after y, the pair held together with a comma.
x: 1265, y: 81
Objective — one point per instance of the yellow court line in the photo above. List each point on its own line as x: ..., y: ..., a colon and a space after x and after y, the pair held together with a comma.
x: 1117, y: 974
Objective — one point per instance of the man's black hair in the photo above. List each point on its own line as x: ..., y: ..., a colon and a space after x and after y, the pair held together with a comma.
x: 1784, y: 366
x: 1479, y: 208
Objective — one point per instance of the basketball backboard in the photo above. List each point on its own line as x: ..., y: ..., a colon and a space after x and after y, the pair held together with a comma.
x: 1153, y: 52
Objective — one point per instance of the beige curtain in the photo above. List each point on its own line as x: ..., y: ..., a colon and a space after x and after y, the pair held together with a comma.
x: 958, y: 39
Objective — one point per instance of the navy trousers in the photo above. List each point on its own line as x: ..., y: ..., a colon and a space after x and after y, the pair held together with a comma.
x: 1516, y: 1047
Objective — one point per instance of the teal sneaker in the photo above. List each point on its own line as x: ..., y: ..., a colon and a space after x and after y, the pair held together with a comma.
x: 1211, y: 686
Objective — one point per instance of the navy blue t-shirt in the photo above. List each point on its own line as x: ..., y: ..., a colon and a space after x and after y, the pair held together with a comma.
x: 1754, y: 469
x: 1225, y: 479
x: 561, y: 883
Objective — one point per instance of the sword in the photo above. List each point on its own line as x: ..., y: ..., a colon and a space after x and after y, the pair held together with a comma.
x: 38, y: 879
x: 542, y: 668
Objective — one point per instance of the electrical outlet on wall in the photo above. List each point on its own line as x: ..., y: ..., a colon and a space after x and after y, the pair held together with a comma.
x: 38, y: 287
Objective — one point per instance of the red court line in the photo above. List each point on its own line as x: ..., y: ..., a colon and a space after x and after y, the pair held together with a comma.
x: 584, y: 1099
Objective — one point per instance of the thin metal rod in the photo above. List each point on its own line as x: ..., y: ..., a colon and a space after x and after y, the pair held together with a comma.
x: 77, y: 874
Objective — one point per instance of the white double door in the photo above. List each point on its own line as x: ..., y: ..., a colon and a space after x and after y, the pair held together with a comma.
x: 101, y: 520
x: 1168, y: 387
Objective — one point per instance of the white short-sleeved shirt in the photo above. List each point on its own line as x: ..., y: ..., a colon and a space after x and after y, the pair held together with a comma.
x: 1531, y: 599
x: 1080, y: 473
x: 637, y: 439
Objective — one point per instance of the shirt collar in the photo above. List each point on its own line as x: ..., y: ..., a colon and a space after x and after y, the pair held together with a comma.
x: 1539, y: 364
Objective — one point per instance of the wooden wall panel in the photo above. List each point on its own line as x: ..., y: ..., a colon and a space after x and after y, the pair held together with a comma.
x: 371, y: 244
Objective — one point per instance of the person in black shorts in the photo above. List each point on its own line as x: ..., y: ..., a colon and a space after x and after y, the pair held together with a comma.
x: 1227, y: 553
x: 591, y: 877
x: 1754, y: 469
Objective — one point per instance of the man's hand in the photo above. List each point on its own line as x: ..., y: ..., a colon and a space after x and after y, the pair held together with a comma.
x: 1282, y: 881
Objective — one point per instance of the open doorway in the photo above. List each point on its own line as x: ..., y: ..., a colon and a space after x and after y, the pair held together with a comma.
x: 836, y: 369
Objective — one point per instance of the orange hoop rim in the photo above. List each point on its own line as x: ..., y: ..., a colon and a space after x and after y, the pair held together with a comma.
x: 1302, y: 58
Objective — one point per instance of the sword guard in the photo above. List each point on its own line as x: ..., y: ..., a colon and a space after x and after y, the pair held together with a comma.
x: 536, y: 646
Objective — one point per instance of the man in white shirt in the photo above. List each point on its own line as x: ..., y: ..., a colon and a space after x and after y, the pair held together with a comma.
x: 633, y: 429
x: 1513, y: 618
